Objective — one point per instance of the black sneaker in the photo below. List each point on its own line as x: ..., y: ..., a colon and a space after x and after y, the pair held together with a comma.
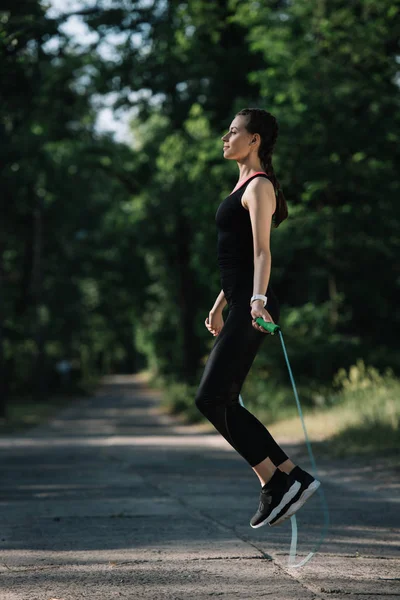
x: 308, y: 485
x: 275, y: 495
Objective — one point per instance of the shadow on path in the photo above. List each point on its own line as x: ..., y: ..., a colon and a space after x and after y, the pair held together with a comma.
x: 114, y: 499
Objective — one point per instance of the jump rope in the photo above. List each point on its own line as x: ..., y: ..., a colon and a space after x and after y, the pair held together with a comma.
x: 273, y: 328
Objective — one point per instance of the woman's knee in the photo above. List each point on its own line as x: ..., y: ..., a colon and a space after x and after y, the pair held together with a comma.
x: 208, y: 402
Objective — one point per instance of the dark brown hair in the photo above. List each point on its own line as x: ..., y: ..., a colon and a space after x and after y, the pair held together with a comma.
x: 262, y: 122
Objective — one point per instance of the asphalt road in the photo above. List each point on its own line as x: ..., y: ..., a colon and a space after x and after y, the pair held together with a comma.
x: 113, y: 499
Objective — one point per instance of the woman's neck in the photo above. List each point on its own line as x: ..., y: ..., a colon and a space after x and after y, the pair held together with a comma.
x: 247, y: 170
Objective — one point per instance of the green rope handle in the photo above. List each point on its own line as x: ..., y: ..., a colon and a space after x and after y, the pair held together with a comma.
x: 271, y: 327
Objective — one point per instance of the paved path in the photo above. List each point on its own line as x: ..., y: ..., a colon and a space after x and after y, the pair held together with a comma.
x: 112, y: 499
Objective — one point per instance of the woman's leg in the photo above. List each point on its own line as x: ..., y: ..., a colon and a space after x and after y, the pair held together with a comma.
x: 218, y: 399
x: 218, y: 394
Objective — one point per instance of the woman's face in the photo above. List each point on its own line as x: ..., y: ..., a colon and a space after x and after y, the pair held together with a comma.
x: 237, y: 142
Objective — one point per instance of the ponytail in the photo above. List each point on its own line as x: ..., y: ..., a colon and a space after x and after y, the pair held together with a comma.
x: 281, y: 211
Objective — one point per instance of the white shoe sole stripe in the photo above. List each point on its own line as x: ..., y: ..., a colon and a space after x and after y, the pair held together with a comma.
x: 290, y: 494
x: 308, y: 492
x: 292, y: 491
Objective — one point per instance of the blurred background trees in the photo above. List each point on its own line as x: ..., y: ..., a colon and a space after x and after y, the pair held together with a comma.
x: 108, y: 248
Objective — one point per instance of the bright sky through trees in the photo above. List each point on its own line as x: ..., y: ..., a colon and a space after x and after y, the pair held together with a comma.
x: 77, y: 31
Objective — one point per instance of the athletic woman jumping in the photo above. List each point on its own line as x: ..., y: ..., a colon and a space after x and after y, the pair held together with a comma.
x: 244, y: 221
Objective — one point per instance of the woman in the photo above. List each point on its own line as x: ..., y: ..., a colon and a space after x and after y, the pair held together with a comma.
x: 244, y: 222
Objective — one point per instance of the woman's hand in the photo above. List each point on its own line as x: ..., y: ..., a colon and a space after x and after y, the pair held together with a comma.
x: 258, y: 310
x: 214, y: 322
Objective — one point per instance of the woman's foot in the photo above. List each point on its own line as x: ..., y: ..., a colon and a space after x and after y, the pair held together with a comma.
x: 308, y: 485
x: 275, y: 495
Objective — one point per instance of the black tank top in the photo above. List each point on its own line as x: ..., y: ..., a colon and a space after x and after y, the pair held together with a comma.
x: 235, y: 251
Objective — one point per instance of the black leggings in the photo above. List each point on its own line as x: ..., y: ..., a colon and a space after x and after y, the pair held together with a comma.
x: 227, y: 366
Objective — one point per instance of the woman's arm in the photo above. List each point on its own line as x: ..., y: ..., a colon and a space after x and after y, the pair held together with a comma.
x: 261, y: 202
x: 262, y: 272
x: 220, y: 303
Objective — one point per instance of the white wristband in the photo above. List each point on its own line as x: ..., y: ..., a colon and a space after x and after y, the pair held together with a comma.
x: 259, y: 297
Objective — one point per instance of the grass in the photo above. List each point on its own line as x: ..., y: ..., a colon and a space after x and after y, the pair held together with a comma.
x: 349, y: 429
x: 363, y: 418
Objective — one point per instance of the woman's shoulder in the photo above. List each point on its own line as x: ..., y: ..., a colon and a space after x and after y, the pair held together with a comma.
x: 259, y: 186
x: 259, y: 180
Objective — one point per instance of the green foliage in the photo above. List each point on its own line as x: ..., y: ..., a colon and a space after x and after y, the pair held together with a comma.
x: 64, y: 243
x: 360, y: 376
x: 108, y: 251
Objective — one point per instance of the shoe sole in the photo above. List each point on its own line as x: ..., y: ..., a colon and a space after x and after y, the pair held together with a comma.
x: 290, y: 494
x: 296, y: 505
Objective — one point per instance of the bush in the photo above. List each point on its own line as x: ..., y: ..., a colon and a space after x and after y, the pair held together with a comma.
x: 370, y: 403
x: 178, y: 398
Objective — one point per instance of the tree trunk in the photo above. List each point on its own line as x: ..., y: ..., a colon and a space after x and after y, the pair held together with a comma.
x: 39, y: 376
x: 332, y: 287
x: 187, y: 302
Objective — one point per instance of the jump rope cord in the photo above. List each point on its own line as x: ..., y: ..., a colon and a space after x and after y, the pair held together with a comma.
x: 293, y: 521
x: 293, y: 544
